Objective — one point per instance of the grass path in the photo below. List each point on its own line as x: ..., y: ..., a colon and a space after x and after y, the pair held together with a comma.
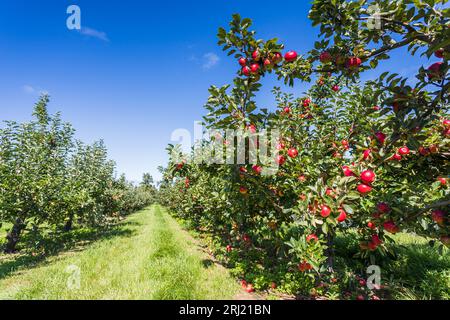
x: 152, y: 259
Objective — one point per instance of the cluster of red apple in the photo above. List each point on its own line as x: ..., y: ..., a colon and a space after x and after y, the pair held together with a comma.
x: 257, y: 62
x: 305, y: 266
x: 389, y: 225
x: 306, y: 114
x: 325, y: 212
x: 291, y: 152
x: 280, y: 160
x: 435, y: 70
x: 247, y: 286
x: 446, y: 128
x: 351, y: 63
x: 401, y: 152
x: 180, y: 165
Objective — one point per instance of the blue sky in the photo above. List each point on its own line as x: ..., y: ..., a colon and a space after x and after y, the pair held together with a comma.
x: 139, y: 69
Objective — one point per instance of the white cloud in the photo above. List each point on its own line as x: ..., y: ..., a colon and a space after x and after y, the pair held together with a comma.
x: 34, y: 91
x: 28, y: 89
x: 211, y: 59
x: 94, y: 33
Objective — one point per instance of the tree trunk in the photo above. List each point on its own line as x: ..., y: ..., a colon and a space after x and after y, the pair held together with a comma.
x: 330, y: 253
x: 69, y: 223
x: 13, y: 236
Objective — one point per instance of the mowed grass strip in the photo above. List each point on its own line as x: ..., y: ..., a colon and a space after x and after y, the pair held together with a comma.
x: 153, y: 258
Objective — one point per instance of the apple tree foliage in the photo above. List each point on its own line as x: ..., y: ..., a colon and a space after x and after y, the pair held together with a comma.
x: 375, y: 153
x: 50, y: 180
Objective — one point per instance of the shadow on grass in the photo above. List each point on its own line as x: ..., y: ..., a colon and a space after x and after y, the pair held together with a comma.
x: 418, y: 267
x: 207, y: 263
x: 52, y: 244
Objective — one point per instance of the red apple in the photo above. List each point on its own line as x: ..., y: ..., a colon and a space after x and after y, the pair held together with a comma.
x: 391, y: 227
x: 380, y: 136
x: 325, y: 211
x: 364, y: 188
x: 342, y: 215
x: 281, y: 160
x: 287, y: 110
x: 439, y: 53
x: 281, y: 146
x: 443, y: 181
x: 243, y: 170
x: 383, y: 207
x: 371, y: 225
x: 329, y: 192
x: 335, y: 88
x: 446, y: 123
x: 404, y: 151
x: 254, y: 68
x: 243, y: 62
x: 347, y: 171
x: 438, y: 216
x: 372, y: 246
x: 251, y: 128
x: 325, y: 57
x: 397, y: 157
x: 290, y: 56
x: 229, y: 249
x: 367, y: 154
x: 246, y: 71
x: 250, y: 288
x: 337, y: 155
x: 368, y: 176
x: 243, y: 190
x: 353, y: 63
x: 424, y: 151
x: 434, y: 71
x: 293, y: 153
x: 277, y: 57
x: 256, y: 55
x: 304, y: 266
x: 306, y: 102
x: 267, y: 62
x: 257, y: 169
x: 376, y: 240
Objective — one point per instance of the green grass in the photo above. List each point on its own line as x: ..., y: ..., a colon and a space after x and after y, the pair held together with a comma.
x: 4, y: 229
x: 147, y: 257
x: 418, y: 271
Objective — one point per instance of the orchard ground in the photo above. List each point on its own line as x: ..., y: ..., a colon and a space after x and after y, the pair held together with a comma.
x: 149, y: 256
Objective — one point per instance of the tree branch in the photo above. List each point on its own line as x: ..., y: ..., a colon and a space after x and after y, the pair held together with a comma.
x: 428, y: 208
